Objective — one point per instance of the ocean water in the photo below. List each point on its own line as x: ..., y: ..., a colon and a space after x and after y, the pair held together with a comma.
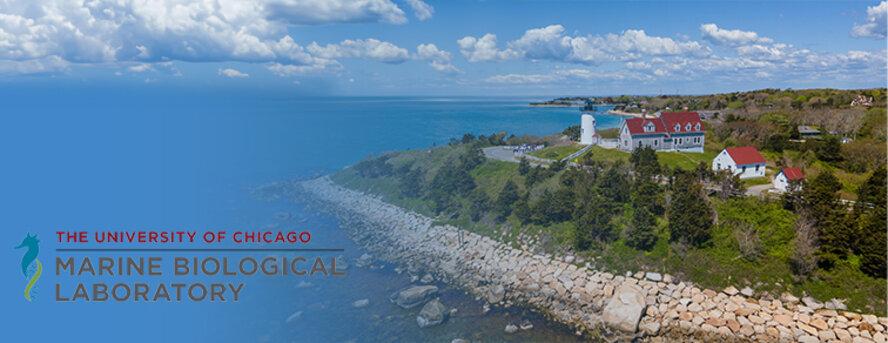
x: 101, y: 159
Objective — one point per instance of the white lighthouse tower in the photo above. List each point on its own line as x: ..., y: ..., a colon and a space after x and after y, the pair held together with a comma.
x: 587, y: 129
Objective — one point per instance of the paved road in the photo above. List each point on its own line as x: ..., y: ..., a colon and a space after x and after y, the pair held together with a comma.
x: 499, y: 153
x: 757, y: 189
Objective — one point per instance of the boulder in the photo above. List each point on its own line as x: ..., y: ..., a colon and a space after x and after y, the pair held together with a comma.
x: 413, y: 296
x: 361, y: 303
x: 433, y: 313
x: 746, y: 291
x: 655, y: 277
x: 789, y: 298
x: 624, y: 309
x: 526, y: 325
x: 731, y: 291
x: 511, y: 328
x: 365, y: 260
x: 812, y: 303
x: 496, y: 294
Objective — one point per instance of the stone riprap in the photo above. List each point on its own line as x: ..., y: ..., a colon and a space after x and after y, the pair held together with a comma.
x: 646, y: 306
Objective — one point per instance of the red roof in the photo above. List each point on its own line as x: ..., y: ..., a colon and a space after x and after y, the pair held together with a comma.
x: 670, y: 119
x: 792, y: 173
x: 745, y: 155
x: 636, y: 125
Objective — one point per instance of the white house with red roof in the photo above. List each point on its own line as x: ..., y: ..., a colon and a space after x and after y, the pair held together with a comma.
x: 681, y: 131
x: 745, y: 161
x: 783, y: 179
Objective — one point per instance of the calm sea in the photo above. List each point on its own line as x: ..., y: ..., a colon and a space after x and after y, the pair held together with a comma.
x: 89, y: 160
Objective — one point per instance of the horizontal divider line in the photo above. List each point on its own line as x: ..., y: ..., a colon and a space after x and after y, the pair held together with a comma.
x: 185, y: 249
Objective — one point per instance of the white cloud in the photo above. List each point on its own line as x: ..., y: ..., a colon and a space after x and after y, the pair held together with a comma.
x: 551, y: 43
x: 438, y: 59
x: 484, y: 49
x: 232, y: 73
x: 103, y: 31
x: 371, y: 48
x: 323, y: 12
x: 576, y: 75
x: 46, y: 65
x: 876, y: 22
x: 287, y: 70
x: 141, y: 67
x: 421, y: 10
x: 719, y: 36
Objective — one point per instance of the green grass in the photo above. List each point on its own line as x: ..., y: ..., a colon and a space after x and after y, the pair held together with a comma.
x: 609, y: 133
x: 556, y: 152
x: 598, y: 153
x: 673, y: 159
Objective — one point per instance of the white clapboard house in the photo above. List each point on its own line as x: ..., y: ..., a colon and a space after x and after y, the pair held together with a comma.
x: 745, y: 162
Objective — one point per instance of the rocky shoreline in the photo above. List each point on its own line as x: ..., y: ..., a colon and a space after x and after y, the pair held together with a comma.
x: 641, y: 306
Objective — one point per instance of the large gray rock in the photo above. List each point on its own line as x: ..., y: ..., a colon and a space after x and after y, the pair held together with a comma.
x: 413, y: 296
x: 812, y: 303
x: 625, y: 308
x: 496, y: 294
x: 433, y: 313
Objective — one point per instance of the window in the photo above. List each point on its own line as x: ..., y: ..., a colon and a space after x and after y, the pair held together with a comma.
x: 744, y: 169
x: 688, y: 127
x: 639, y: 144
x: 756, y: 168
x: 697, y: 127
x: 625, y: 142
x: 656, y: 141
x: 677, y: 128
x: 679, y: 141
x: 718, y: 166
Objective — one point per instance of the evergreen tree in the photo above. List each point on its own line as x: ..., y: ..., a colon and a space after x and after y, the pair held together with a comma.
x: 871, y: 211
x: 593, y: 222
x: 690, y: 217
x: 522, y: 210
x: 523, y: 166
x: 614, y: 185
x: 479, y: 204
x: 504, y: 201
x: 835, y: 224
x: 641, y: 234
x: 411, y: 183
x: 647, y: 195
x: 645, y: 162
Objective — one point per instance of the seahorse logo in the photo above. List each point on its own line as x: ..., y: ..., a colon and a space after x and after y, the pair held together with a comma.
x: 30, y: 258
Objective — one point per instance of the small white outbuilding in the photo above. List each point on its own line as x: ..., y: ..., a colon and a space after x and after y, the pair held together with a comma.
x: 783, y: 178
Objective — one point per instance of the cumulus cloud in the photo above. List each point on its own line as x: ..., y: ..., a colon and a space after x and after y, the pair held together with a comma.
x: 371, y: 48
x: 102, y: 31
x: 719, y: 36
x: 551, y: 43
x: 421, y: 10
x: 232, y: 73
x: 876, y: 22
x: 484, y: 49
x: 438, y: 59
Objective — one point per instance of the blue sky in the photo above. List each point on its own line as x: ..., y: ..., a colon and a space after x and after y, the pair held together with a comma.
x: 413, y: 47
